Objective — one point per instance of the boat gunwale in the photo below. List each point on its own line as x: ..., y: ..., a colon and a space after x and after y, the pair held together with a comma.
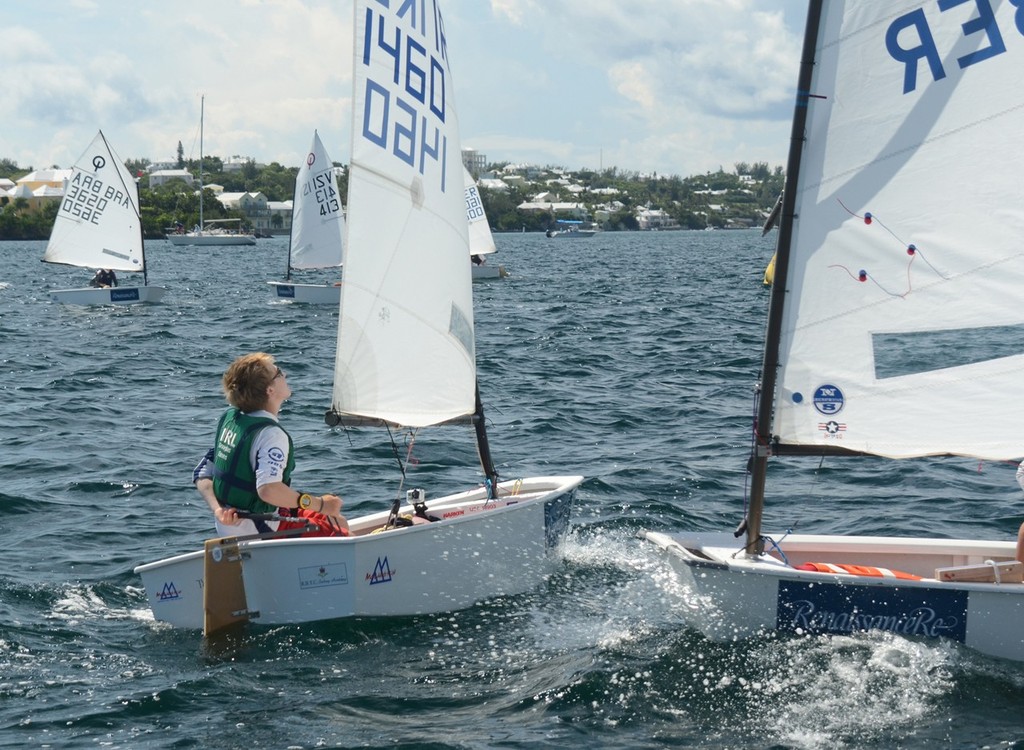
x: 562, y: 485
x: 730, y: 560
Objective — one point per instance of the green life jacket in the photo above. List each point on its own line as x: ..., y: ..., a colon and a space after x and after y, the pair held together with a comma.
x: 234, y: 479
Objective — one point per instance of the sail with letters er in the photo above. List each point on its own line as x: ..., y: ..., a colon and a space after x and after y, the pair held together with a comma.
x: 894, y: 329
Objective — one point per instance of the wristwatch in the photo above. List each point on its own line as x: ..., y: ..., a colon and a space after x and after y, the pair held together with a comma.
x: 305, y: 500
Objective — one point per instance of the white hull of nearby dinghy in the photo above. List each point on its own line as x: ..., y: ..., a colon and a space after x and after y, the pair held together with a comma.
x: 312, y: 294
x: 118, y: 295
x: 739, y: 596
x: 480, y: 549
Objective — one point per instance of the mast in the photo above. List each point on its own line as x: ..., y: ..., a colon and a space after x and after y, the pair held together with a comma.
x: 142, y: 237
x: 202, y: 106
x: 484, y: 448
x: 770, y: 363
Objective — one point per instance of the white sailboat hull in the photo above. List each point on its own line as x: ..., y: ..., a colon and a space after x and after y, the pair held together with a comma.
x: 118, y: 295
x: 572, y: 234
x: 485, y: 272
x: 311, y: 294
x: 211, y: 239
x: 480, y: 549
x: 737, y: 596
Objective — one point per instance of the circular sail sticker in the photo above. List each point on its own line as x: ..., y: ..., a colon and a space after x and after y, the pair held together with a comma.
x: 828, y: 400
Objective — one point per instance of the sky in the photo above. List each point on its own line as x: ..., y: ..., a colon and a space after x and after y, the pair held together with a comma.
x: 676, y: 87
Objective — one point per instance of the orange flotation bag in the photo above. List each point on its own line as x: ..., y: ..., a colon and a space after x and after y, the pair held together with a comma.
x: 857, y: 570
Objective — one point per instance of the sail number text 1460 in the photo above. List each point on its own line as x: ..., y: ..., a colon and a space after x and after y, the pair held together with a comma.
x: 404, y: 109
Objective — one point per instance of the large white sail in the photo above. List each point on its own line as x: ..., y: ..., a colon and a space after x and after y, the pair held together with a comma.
x: 98, y: 224
x: 481, y: 241
x: 405, y: 339
x: 318, y: 224
x: 902, y: 331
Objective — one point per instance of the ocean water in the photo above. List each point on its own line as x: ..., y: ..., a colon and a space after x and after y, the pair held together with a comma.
x: 629, y: 358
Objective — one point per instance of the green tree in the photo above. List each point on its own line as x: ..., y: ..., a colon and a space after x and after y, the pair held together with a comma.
x: 137, y: 167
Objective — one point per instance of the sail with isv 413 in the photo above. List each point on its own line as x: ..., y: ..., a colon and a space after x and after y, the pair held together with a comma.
x: 317, y: 231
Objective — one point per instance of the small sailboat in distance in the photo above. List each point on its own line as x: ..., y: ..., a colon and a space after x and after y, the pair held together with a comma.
x: 98, y: 226
x: 481, y: 241
x: 210, y: 232
x: 317, y: 231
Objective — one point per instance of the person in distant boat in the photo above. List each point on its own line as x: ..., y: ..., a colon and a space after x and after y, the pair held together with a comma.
x: 250, y: 466
x: 103, y: 278
x: 477, y: 260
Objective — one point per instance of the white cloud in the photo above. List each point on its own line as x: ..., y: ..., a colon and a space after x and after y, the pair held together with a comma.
x: 675, y: 88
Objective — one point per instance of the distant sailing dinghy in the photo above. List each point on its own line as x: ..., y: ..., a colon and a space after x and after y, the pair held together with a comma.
x: 405, y: 357
x: 481, y: 242
x: 893, y: 327
x: 318, y: 229
x: 98, y: 226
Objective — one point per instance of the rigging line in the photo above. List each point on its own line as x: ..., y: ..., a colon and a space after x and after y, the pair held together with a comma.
x: 777, y: 545
x: 396, y: 504
x: 810, y: 491
x: 410, y: 441
x: 868, y: 218
x: 911, y: 249
x: 344, y: 429
x: 865, y: 276
x: 394, y: 450
x: 753, y: 448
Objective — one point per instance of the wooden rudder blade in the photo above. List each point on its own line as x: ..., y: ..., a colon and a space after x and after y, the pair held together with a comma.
x: 224, y: 601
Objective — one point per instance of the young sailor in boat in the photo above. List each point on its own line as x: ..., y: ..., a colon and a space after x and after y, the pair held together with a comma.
x: 250, y: 466
x: 103, y: 278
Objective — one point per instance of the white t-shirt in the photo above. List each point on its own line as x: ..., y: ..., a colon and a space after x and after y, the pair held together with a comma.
x: 269, y: 454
